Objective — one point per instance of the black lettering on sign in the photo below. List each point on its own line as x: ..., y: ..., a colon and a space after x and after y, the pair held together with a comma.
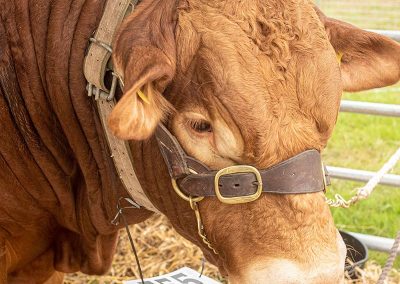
x: 163, y: 281
x: 178, y: 277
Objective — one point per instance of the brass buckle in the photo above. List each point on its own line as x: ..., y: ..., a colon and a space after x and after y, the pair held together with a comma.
x: 234, y: 170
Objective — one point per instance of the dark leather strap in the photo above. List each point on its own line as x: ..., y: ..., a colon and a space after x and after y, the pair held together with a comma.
x: 173, y: 154
x: 302, y: 173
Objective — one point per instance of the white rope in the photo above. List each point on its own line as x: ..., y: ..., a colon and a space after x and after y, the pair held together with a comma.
x: 365, y: 191
x: 390, y: 261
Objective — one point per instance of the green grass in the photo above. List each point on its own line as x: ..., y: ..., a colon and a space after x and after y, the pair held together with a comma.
x: 366, y: 142
x: 368, y: 14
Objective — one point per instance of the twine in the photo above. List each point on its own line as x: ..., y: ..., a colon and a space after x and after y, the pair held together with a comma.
x: 365, y: 191
x: 389, y: 263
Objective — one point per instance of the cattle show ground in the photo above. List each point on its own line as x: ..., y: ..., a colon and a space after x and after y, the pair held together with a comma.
x: 359, y: 142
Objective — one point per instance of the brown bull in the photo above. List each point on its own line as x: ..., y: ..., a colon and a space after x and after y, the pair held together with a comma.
x: 237, y: 82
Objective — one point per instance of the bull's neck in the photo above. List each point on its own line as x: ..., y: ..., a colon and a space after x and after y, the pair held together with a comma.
x: 47, y: 42
x: 52, y: 138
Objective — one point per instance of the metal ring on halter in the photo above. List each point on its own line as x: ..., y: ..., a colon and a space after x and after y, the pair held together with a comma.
x: 182, y: 195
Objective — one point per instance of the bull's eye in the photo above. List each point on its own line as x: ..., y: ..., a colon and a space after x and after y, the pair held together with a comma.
x: 200, y: 126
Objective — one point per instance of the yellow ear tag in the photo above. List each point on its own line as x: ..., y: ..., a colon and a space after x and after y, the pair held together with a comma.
x: 339, y: 57
x: 143, y: 97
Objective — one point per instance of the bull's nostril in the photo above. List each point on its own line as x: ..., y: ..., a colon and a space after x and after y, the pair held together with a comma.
x: 237, y: 185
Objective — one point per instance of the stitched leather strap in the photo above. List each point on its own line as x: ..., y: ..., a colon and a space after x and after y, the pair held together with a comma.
x: 121, y: 155
x: 98, y: 55
x: 300, y: 174
x: 96, y: 62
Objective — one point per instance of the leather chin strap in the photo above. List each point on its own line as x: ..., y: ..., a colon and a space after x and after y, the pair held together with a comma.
x: 303, y: 173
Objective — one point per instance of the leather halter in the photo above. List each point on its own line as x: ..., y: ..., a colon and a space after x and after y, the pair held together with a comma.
x: 97, y: 63
x: 193, y: 181
x: 303, y: 173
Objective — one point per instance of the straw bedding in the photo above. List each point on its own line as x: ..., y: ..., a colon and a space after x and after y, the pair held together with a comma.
x: 162, y: 250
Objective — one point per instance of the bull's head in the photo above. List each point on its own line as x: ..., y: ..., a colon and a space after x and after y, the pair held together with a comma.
x: 253, y: 83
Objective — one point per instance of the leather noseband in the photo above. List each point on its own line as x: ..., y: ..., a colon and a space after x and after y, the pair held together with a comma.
x: 303, y: 173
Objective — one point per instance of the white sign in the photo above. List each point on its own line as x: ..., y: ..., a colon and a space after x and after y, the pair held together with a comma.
x: 184, y: 275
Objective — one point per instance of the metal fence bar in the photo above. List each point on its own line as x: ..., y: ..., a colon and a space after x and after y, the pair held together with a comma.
x: 362, y: 176
x: 389, y: 33
x: 374, y: 242
x: 370, y: 108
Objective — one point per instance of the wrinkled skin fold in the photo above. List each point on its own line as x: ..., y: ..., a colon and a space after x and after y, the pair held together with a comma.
x: 249, y: 82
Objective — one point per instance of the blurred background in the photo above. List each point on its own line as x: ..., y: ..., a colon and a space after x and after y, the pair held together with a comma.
x: 366, y: 142
x: 367, y: 14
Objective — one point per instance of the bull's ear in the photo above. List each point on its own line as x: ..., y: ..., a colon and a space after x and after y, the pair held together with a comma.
x: 145, y: 57
x: 368, y: 60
